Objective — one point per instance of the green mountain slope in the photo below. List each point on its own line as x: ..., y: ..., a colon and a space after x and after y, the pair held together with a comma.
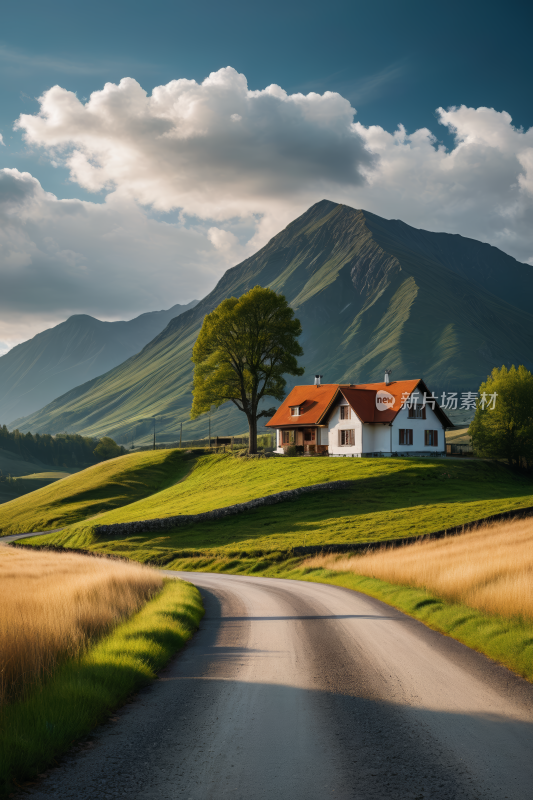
x: 371, y: 294
x: 35, y: 372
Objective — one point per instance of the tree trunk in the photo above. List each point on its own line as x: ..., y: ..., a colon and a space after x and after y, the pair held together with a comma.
x: 252, y: 442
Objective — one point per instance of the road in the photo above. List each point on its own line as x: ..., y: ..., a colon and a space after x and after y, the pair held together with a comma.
x: 297, y: 690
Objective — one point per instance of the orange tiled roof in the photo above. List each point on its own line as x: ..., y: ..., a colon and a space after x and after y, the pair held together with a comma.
x: 315, y: 401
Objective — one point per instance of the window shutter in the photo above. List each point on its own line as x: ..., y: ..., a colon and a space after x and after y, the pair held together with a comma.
x: 340, y: 438
x: 435, y: 438
x: 410, y: 437
x: 402, y: 436
x: 426, y: 437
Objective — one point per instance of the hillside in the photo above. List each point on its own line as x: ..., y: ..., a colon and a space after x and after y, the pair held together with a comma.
x: 388, y: 499
x: 371, y: 294
x: 99, y: 488
x: 37, y: 371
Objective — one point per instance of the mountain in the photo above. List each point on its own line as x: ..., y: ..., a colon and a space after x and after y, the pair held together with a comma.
x: 37, y: 371
x: 371, y: 294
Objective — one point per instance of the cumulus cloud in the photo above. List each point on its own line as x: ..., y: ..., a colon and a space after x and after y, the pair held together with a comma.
x: 60, y: 257
x: 233, y: 159
x: 216, y: 149
x: 219, y: 150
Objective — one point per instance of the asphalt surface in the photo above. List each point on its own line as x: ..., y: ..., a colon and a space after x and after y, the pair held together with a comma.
x: 297, y: 690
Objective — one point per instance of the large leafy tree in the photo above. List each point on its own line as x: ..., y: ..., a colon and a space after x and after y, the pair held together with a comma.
x: 243, y: 350
x: 503, y: 428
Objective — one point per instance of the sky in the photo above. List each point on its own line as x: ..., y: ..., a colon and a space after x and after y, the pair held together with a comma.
x: 146, y: 148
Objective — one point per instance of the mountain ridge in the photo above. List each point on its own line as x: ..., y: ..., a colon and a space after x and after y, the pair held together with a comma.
x: 370, y: 293
x: 35, y: 372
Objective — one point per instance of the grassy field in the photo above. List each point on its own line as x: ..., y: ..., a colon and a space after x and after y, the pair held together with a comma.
x: 82, y: 691
x: 104, y: 486
x: 54, y: 606
x: 390, y: 498
x: 489, y: 569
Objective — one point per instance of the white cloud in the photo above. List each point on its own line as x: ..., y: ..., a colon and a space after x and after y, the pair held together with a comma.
x: 61, y: 257
x: 216, y: 149
x: 233, y: 159
x: 220, y: 151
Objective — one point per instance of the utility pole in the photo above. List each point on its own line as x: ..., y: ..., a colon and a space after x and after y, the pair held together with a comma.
x: 181, y: 431
x: 154, y: 433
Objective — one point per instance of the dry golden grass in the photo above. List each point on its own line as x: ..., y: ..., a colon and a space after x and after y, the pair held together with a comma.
x: 490, y: 568
x: 55, y: 604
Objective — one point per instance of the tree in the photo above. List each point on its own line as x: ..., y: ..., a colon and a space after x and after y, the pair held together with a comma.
x: 107, y: 448
x: 243, y: 350
x: 505, y: 431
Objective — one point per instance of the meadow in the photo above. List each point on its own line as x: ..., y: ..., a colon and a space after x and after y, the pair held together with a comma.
x: 55, y: 605
x: 389, y: 498
x: 78, y: 635
x: 99, y: 488
x: 489, y: 568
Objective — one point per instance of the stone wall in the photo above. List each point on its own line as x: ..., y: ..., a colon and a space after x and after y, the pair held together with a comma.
x: 129, y: 528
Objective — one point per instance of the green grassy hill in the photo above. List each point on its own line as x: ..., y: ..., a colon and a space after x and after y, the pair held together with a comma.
x: 371, y: 294
x: 390, y: 498
x: 104, y: 486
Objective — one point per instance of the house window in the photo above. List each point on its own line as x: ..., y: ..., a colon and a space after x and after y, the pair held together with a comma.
x: 295, y: 411
x: 417, y: 413
x: 309, y: 436
x: 346, y: 412
x: 432, y: 438
x: 285, y: 437
x: 347, y: 438
x: 406, y: 436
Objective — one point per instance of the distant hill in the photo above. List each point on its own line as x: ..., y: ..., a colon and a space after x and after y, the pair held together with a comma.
x: 371, y: 294
x: 37, y: 371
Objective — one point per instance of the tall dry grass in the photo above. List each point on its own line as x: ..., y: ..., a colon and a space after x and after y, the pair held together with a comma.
x: 53, y: 605
x: 489, y: 568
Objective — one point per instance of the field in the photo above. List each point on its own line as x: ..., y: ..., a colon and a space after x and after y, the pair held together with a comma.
x: 55, y: 605
x: 490, y: 568
x: 93, y: 490
x: 390, y: 498
x: 78, y: 636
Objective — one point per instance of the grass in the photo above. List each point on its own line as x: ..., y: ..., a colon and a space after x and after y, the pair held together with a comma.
x: 489, y: 569
x: 54, y: 606
x: 104, y: 486
x: 84, y: 691
x: 390, y: 498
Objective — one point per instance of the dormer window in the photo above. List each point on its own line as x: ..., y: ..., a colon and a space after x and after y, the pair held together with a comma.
x: 295, y: 411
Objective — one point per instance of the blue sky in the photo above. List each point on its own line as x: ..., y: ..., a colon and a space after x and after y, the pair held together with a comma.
x: 394, y: 63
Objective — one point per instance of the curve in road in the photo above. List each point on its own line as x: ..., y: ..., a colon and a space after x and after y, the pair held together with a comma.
x: 301, y: 690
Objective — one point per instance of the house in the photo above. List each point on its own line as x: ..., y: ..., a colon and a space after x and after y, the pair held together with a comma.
x: 369, y: 419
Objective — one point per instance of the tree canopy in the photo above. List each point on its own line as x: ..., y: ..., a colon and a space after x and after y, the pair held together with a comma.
x: 63, y: 449
x: 244, y: 349
x: 107, y: 448
x: 505, y: 431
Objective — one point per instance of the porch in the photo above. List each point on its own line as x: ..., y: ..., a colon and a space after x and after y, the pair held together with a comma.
x: 305, y: 439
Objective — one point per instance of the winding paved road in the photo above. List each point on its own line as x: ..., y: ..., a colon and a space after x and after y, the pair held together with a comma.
x: 297, y: 690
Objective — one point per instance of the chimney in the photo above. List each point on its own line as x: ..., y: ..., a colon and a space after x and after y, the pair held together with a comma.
x: 387, y: 373
x: 317, y: 380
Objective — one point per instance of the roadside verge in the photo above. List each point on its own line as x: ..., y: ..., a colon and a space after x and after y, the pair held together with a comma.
x: 83, y: 692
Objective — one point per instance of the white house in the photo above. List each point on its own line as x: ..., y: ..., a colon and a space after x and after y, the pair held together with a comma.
x: 371, y: 419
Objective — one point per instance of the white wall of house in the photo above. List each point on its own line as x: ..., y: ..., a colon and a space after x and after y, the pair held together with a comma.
x: 419, y: 427
x: 336, y: 424
x: 376, y: 438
